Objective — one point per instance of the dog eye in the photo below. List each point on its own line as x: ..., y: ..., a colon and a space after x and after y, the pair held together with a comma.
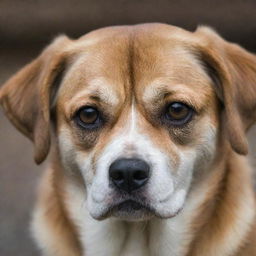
x: 178, y: 113
x: 87, y: 117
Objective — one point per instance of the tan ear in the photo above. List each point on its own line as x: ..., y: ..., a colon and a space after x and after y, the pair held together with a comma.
x: 235, y: 69
x: 25, y: 97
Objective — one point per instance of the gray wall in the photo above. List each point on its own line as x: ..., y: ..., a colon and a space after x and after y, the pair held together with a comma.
x: 38, y: 21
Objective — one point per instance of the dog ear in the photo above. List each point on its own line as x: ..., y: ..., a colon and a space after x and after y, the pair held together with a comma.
x: 233, y: 70
x: 25, y: 97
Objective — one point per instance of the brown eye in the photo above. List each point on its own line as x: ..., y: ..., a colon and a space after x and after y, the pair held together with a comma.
x: 88, y: 117
x: 178, y: 113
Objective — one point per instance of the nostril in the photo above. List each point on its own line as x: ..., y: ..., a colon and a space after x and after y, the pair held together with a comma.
x: 140, y: 175
x: 117, y: 175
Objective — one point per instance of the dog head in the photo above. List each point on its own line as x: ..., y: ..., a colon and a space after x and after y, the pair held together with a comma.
x: 136, y: 111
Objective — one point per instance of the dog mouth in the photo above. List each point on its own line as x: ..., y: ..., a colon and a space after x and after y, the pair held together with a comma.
x: 136, y: 207
x: 129, y: 210
x: 130, y: 206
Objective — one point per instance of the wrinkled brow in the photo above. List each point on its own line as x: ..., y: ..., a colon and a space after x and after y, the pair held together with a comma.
x: 155, y: 94
x: 101, y: 91
x: 157, y: 91
x: 103, y: 94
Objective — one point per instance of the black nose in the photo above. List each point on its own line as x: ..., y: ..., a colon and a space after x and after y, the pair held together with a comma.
x: 129, y: 174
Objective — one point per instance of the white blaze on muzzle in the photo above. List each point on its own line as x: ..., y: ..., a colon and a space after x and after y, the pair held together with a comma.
x: 130, y: 142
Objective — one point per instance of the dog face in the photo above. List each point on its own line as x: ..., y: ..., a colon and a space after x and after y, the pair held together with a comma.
x: 136, y: 124
x: 137, y: 113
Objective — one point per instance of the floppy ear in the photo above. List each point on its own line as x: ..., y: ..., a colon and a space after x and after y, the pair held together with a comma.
x: 233, y: 70
x: 25, y: 97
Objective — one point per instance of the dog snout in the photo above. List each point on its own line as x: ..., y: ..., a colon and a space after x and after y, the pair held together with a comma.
x: 129, y: 174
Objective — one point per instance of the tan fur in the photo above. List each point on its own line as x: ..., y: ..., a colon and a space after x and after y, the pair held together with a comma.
x: 107, y: 67
x: 59, y: 233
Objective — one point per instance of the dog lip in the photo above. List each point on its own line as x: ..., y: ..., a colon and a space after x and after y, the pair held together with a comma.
x: 133, y: 205
x: 130, y: 205
x: 168, y: 216
x: 166, y: 198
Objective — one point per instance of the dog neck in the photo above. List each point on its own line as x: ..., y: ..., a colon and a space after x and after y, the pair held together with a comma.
x: 214, y: 221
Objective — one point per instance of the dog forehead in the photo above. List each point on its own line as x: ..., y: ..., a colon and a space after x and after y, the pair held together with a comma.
x: 130, y: 58
x: 139, y: 30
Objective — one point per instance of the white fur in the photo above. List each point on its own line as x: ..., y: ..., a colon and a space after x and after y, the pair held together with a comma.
x: 166, y: 191
x: 115, y: 237
x: 161, y: 185
x: 165, y: 237
x: 148, y: 238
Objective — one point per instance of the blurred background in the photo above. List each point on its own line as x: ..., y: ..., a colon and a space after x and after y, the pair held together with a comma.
x: 27, y: 26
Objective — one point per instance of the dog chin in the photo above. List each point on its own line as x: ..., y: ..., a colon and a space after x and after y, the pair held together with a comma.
x: 133, y: 211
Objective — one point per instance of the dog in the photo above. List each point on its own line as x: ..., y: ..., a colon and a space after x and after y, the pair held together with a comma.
x: 146, y: 128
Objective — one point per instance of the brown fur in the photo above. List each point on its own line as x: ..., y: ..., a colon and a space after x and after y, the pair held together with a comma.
x: 231, y: 101
x: 52, y: 197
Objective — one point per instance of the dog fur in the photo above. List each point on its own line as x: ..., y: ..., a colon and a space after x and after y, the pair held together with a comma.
x: 201, y: 183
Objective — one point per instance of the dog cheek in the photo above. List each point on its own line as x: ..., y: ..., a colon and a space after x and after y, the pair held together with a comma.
x: 76, y: 162
x: 182, y: 136
x: 206, y: 150
x: 67, y: 150
x: 85, y: 140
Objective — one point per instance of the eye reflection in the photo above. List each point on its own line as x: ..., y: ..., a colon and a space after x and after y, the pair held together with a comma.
x: 178, y: 113
x: 88, y: 117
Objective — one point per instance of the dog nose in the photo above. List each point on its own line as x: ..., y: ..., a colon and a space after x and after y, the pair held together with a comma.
x: 129, y: 174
